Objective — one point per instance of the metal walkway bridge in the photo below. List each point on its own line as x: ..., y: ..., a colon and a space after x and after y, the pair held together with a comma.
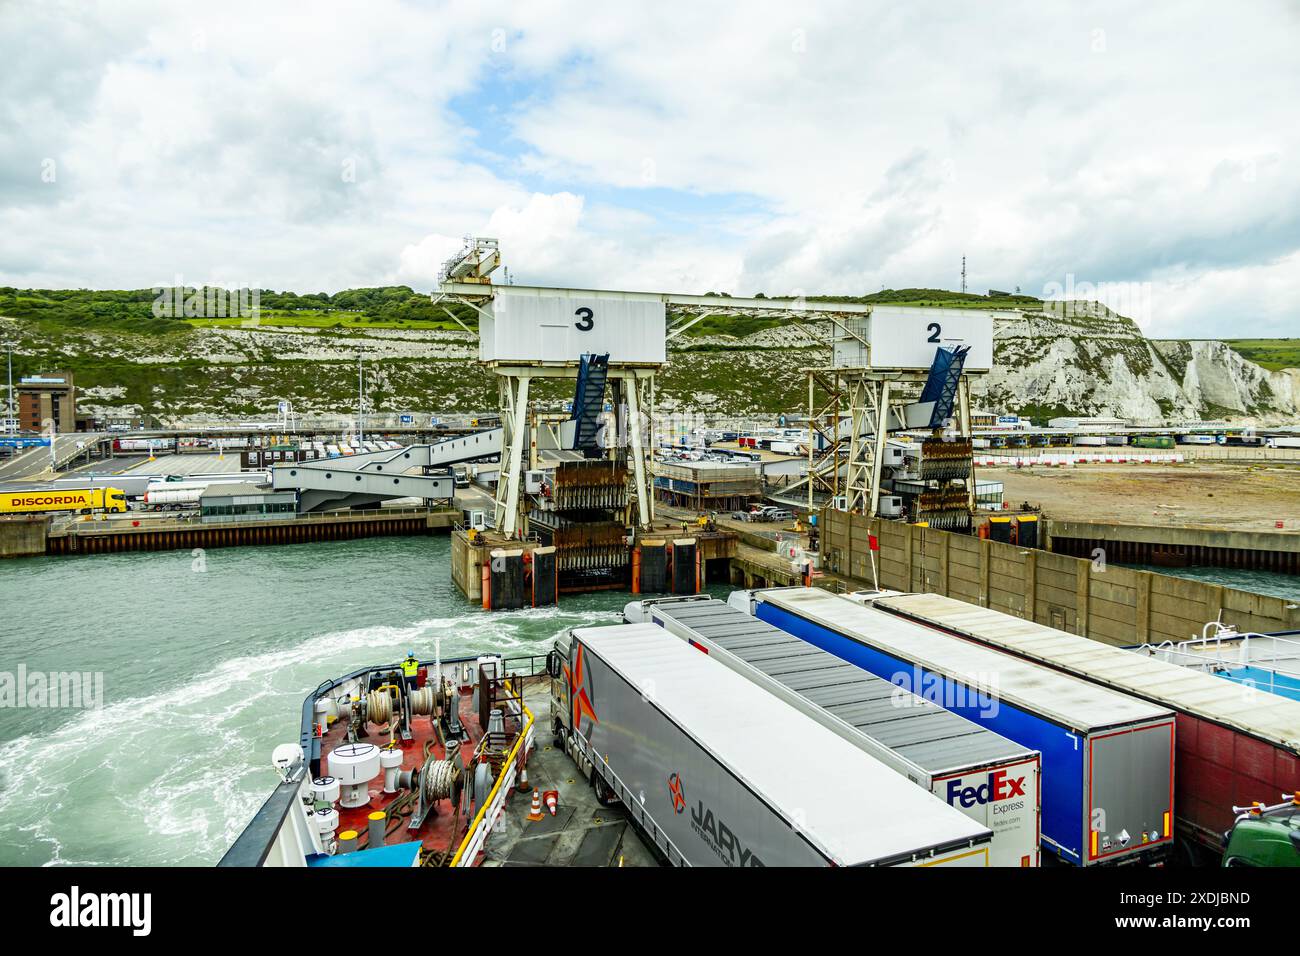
x: 366, y: 479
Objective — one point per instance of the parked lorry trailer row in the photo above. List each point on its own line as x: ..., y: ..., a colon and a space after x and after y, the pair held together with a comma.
x: 1107, y: 757
x: 718, y: 772
x: 992, y: 780
x: 133, y: 486
x: 1237, y: 746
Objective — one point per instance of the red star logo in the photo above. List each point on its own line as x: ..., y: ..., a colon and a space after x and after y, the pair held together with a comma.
x: 581, y: 702
x: 675, y: 791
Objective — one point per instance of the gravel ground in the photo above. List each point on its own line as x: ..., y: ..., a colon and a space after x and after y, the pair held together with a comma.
x: 1248, y: 497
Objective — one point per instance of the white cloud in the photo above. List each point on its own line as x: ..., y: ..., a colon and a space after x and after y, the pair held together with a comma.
x: 840, y: 148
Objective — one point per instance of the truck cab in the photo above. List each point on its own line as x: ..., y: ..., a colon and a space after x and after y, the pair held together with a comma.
x: 556, y: 663
x: 1265, y: 836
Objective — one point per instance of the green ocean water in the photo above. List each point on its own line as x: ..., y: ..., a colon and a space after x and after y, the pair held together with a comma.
x: 204, y: 673
x: 205, y: 667
x: 1272, y: 583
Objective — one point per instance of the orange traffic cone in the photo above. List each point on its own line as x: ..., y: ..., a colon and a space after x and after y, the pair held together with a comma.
x: 523, y: 786
x: 552, y: 798
x: 535, y: 813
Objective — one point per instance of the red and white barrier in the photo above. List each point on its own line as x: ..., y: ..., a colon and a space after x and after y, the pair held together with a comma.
x: 1066, y: 460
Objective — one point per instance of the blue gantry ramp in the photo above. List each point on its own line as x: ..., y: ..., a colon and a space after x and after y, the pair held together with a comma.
x: 941, y: 385
x: 589, y: 401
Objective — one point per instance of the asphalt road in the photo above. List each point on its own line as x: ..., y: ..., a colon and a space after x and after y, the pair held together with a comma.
x: 34, y: 461
x: 476, y: 498
x: 191, y: 464
x: 110, y: 466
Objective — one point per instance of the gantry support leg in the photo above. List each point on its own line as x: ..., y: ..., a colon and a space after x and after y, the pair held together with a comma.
x: 964, y: 430
x: 637, y: 451
x: 507, y: 511
x: 878, y: 457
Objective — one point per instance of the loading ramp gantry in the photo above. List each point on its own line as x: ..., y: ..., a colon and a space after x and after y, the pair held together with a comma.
x: 903, y: 369
x: 527, y: 333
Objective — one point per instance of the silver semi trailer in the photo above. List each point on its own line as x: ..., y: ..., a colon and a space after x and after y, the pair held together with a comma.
x: 718, y: 772
x: 991, y: 779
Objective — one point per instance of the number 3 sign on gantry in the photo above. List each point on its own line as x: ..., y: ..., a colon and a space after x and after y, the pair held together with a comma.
x: 527, y: 325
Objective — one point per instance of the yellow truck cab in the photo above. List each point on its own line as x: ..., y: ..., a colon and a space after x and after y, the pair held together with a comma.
x: 80, y: 500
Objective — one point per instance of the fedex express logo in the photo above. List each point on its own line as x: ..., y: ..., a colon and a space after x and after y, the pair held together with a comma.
x: 1000, y: 786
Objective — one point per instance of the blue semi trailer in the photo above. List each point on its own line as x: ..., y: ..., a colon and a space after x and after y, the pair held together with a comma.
x: 1107, y: 758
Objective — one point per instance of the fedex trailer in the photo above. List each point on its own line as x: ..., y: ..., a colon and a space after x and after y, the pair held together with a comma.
x: 991, y: 779
x: 1107, y: 757
x: 718, y: 772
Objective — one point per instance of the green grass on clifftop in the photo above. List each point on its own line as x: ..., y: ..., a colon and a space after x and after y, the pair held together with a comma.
x: 742, y: 325
x: 1272, y: 354
x: 133, y: 310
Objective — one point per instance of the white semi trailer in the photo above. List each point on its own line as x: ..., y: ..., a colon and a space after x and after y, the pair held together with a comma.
x: 717, y: 771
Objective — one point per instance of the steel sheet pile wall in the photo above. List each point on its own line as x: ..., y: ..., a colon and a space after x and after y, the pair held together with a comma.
x: 1093, y: 598
x: 586, y: 524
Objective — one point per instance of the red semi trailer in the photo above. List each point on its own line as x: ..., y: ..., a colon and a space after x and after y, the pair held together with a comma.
x: 1236, y: 745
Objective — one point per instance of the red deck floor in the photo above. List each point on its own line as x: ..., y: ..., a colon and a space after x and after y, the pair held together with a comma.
x: 436, y: 834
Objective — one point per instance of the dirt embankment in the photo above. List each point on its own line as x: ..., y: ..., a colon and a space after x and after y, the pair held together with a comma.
x: 1247, y: 497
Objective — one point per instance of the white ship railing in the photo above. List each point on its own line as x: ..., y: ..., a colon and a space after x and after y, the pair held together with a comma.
x: 490, y: 812
x: 1227, y: 648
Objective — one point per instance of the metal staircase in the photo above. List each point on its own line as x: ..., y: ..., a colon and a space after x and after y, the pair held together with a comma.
x: 589, y: 402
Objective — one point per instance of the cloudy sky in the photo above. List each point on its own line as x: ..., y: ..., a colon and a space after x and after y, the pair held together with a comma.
x: 1146, y: 150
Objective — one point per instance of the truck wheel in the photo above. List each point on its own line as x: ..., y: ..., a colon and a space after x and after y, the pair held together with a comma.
x: 604, y: 795
x: 557, y: 734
